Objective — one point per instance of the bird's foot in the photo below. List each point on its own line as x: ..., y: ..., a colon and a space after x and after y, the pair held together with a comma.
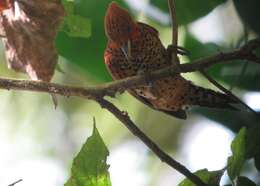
x: 180, y: 50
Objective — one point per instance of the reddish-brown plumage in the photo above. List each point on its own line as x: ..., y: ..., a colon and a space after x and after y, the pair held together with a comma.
x: 5, y: 4
x: 135, y: 47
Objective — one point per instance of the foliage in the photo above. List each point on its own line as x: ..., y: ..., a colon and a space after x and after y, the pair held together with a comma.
x: 188, y: 11
x: 75, y: 25
x: 236, y: 161
x: 209, y: 177
x: 244, y: 181
x: 88, y: 55
x: 244, y: 146
x: 81, y: 41
x: 249, y: 12
x: 89, y: 166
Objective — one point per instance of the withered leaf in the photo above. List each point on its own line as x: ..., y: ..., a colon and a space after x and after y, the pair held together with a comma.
x: 5, y: 4
x: 30, y: 28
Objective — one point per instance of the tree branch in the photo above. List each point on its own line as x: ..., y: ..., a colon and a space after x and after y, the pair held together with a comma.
x: 13, y: 184
x: 226, y: 91
x: 174, y: 57
x: 174, y: 22
x: 244, y: 53
x: 110, y: 89
x: 125, y: 119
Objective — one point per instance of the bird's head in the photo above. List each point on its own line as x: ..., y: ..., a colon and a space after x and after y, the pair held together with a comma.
x: 119, y: 25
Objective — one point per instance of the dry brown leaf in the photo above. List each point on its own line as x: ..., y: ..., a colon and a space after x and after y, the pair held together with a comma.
x: 30, y: 28
x: 5, y: 4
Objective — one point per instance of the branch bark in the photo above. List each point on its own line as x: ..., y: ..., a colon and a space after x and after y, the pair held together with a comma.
x: 110, y: 89
x: 13, y: 184
x: 172, y: 10
x: 97, y: 93
x: 174, y: 22
x: 125, y: 119
x: 226, y: 91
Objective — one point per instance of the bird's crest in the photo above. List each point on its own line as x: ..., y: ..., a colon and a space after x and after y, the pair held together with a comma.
x: 119, y: 25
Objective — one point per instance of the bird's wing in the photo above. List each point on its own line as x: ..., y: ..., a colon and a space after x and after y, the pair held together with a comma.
x: 181, y: 114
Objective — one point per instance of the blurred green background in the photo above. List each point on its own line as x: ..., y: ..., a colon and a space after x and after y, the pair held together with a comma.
x: 39, y: 142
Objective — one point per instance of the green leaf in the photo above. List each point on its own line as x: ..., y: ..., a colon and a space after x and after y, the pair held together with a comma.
x: 68, y: 6
x: 228, y: 72
x: 89, y: 167
x: 88, y: 53
x: 188, y: 11
x: 209, y: 177
x: 237, y: 160
x: 253, y: 144
x: 249, y: 12
x: 252, y: 141
x: 244, y: 181
x: 75, y: 25
x: 229, y: 118
x: 257, y: 159
x: 198, y: 49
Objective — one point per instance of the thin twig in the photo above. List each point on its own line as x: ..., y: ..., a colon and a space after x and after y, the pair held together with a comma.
x: 196, y: 65
x: 245, y: 64
x: 226, y: 91
x: 12, y: 184
x: 98, y: 92
x: 240, y: 76
x: 110, y: 89
x: 125, y: 119
x: 174, y: 22
x: 174, y: 57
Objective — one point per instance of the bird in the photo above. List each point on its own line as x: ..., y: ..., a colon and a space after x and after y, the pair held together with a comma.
x: 135, y: 48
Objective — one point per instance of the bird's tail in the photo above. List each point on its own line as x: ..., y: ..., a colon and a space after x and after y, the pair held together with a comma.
x: 209, y: 98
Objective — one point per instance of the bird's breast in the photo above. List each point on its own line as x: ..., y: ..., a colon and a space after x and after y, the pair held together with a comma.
x: 147, y: 54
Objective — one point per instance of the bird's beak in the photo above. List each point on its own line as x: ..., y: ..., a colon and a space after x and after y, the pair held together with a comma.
x: 126, y: 49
